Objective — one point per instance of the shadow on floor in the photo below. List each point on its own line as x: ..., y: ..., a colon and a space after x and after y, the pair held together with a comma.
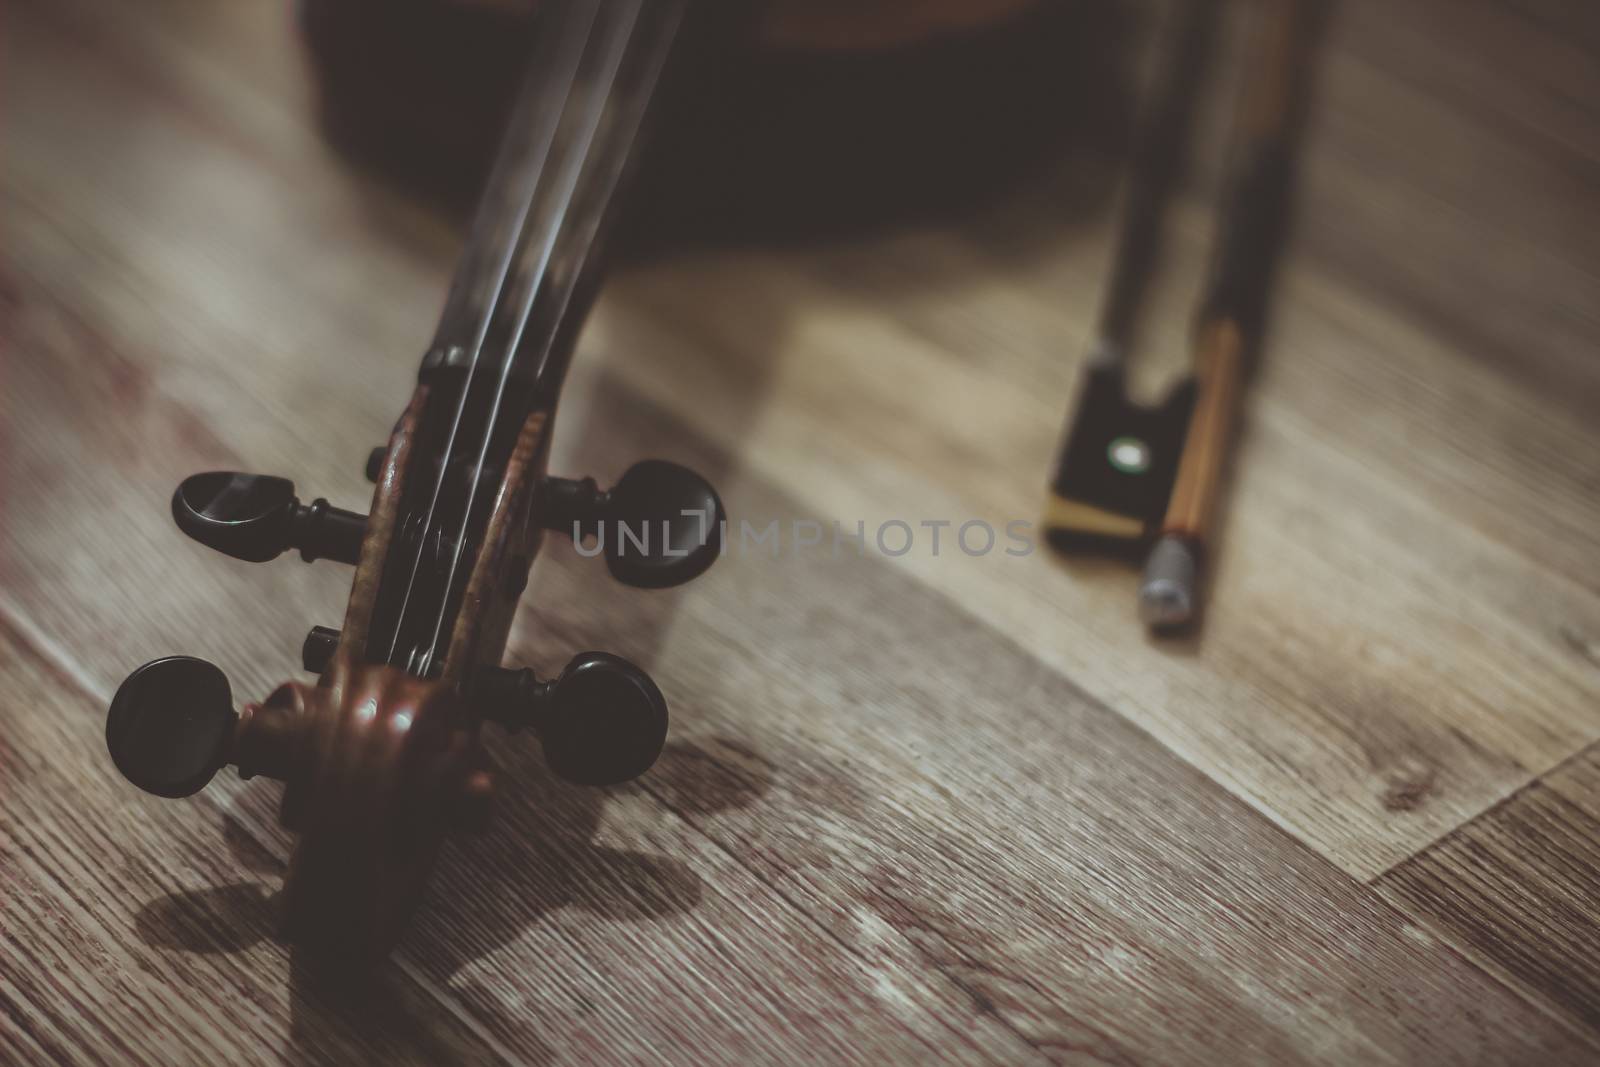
x: 752, y: 148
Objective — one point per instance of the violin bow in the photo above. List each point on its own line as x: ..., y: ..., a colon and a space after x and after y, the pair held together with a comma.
x: 1119, y: 458
x: 1129, y: 474
x: 1227, y: 335
x: 384, y: 755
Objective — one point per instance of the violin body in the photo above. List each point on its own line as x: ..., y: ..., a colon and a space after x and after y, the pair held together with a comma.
x: 384, y: 754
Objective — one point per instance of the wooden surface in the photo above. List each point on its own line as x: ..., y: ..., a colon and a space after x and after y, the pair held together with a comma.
x: 921, y: 807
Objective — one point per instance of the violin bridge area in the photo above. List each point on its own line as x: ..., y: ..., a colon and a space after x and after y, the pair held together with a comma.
x: 918, y: 803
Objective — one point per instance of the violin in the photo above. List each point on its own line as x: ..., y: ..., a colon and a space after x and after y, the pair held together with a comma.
x: 384, y: 755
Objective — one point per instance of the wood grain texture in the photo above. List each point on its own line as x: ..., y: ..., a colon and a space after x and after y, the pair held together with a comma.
x: 944, y: 796
x: 1516, y: 888
x: 114, y: 955
x: 1383, y: 655
x: 929, y: 807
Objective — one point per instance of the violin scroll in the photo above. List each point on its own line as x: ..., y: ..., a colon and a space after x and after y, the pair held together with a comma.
x: 379, y: 766
x: 384, y: 755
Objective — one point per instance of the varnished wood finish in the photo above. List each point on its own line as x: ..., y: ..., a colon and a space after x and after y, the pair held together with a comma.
x: 511, y: 544
x: 1281, y: 71
x: 1219, y: 376
x: 1518, y: 887
x: 945, y: 809
x: 382, y: 517
x: 389, y: 756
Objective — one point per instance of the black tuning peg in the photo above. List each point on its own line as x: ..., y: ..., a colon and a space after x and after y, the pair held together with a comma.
x: 171, y: 725
x: 256, y: 517
x: 602, y: 722
x: 318, y: 648
x: 659, y: 526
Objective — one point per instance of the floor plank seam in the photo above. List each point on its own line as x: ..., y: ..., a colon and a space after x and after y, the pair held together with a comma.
x: 1259, y: 806
x: 61, y: 663
x: 1237, y: 790
x: 1534, y: 782
x: 1464, y: 950
x: 452, y: 1004
x: 898, y: 858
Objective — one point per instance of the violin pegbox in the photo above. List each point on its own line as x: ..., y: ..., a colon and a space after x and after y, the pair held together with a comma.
x: 601, y: 721
x: 380, y: 764
x: 384, y: 754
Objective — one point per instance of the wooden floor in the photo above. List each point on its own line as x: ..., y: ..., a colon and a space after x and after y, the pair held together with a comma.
x: 917, y: 808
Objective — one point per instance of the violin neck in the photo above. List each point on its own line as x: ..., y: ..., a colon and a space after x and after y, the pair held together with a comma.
x: 531, y: 267
x: 532, y: 260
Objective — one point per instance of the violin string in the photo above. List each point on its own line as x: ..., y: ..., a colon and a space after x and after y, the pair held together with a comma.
x: 570, y: 181
x: 588, y: 235
x: 572, y: 55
